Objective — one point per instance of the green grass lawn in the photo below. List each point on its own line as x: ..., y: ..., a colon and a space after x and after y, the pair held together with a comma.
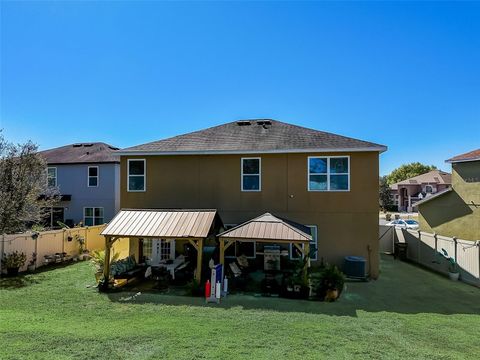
x: 408, y: 313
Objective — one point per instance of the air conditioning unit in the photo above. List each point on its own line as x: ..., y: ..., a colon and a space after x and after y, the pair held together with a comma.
x: 355, y: 267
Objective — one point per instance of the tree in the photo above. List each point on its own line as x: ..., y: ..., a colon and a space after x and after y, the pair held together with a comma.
x: 24, y: 195
x: 385, y: 197
x: 407, y: 171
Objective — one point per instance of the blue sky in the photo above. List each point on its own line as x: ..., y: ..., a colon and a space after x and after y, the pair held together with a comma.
x: 406, y: 75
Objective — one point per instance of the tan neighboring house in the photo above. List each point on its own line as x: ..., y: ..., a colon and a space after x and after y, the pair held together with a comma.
x: 456, y: 211
x: 408, y: 192
x: 308, y: 181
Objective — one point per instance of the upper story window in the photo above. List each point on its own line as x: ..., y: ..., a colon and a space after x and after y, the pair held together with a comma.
x: 251, y: 174
x: 136, y: 174
x: 52, y: 176
x: 328, y: 173
x: 92, y: 176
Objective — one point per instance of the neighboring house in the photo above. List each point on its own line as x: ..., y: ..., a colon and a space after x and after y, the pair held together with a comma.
x: 318, y: 181
x: 87, y: 176
x: 407, y: 192
x: 456, y: 211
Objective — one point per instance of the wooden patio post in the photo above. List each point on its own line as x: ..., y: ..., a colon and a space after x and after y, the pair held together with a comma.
x: 106, y: 263
x: 306, y: 254
x: 198, y: 275
x: 222, y: 252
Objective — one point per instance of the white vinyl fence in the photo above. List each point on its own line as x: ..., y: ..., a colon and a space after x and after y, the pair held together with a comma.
x: 423, y: 248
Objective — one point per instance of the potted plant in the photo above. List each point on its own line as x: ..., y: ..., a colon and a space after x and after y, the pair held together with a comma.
x: 32, y: 263
x: 83, y: 253
x: 453, y: 273
x: 296, y: 286
x: 328, y: 283
x: 97, y: 259
x: 14, y: 261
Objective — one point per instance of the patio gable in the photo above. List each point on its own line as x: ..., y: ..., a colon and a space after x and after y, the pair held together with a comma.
x: 268, y: 227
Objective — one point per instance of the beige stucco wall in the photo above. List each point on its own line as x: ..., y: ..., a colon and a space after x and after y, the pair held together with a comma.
x: 456, y: 213
x: 347, y: 221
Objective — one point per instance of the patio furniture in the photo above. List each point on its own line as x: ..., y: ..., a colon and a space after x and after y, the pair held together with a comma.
x: 126, y: 268
x: 178, y: 264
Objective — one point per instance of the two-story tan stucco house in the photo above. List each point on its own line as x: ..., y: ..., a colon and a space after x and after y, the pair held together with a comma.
x: 455, y: 211
x: 325, y: 182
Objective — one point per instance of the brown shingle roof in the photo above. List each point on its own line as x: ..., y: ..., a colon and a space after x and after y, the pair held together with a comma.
x: 81, y: 153
x: 432, y: 177
x: 469, y: 156
x: 250, y: 136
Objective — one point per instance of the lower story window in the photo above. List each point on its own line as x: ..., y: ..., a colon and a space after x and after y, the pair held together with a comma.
x: 93, y: 216
x: 158, y: 250
x: 295, y: 253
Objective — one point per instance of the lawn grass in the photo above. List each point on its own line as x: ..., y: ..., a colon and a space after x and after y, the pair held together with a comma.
x: 408, y: 313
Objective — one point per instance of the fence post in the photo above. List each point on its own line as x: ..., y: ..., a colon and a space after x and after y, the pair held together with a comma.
x: 436, y: 242
x: 455, y: 244
x: 36, y: 251
x: 478, y: 253
x: 392, y: 230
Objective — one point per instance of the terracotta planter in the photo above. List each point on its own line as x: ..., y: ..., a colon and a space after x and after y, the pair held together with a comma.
x: 331, y: 295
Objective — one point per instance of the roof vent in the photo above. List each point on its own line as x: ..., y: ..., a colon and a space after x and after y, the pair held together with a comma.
x: 264, y: 122
x: 77, y: 145
x: 244, y: 123
x: 88, y: 145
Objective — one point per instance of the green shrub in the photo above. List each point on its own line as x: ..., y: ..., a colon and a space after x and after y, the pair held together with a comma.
x: 14, y: 260
x: 326, y: 278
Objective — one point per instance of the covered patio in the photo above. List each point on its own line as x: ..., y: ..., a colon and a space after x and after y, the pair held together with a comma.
x: 191, y: 226
x: 268, y: 229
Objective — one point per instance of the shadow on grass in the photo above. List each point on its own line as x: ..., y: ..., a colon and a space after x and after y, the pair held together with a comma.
x: 20, y: 281
x: 30, y: 278
x: 402, y: 288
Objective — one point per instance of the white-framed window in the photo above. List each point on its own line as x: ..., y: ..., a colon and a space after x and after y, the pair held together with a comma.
x: 428, y: 189
x: 93, y: 216
x: 251, y: 169
x: 136, y: 175
x: 295, y: 253
x: 93, y: 176
x: 328, y: 173
x: 162, y: 250
x: 147, y: 248
x: 51, y: 176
